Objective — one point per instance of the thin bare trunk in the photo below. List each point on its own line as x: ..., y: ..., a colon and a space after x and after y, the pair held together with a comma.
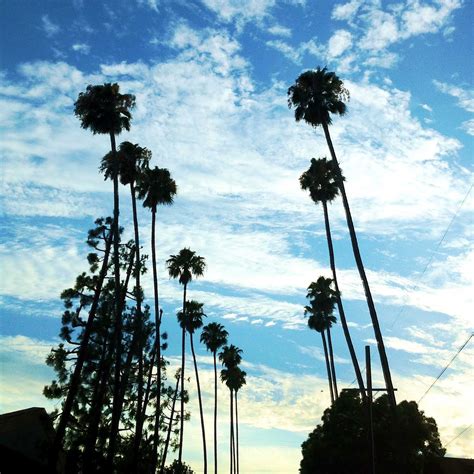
x: 333, y: 367
x: 215, y: 413
x: 363, y: 277
x: 183, y: 353
x: 328, y: 368
x: 200, y: 403
x: 237, y: 433
x: 342, y: 315
x: 231, y: 433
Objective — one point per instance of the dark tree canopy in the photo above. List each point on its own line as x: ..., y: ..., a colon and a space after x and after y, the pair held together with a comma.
x: 321, y: 179
x: 340, y: 445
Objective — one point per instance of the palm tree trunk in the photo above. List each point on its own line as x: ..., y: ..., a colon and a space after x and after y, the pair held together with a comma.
x: 326, y: 356
x: 340, y: 308
x: 170, y: 427
x: 81, y: 357
x: 183, y: 353
x: 365, y: 283
x: 215, y: 413
x: 237, y: 432
x: 157, y: 341
x: 147, y: 390
x: 231, y: 433
x: 116, y: 409
x: 200, y: 403
x: 333, y: 368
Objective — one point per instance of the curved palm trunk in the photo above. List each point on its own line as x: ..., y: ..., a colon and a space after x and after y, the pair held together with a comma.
x: 200, y: 403
x: 215, y: 413
x: 333, y: 367
x: 340, y: 308
x: 237, y: 432
x: 170, y: 427
x: 231, y: 432
x: 116, y: 409
x: 157, y: 340
x: 81, y: 357
x: 183, y: 353
x: 328, y: 368
x: 365, y: 283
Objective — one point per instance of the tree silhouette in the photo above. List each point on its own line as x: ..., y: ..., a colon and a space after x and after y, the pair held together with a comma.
x: 190, y: 321
x: 214, y: 336
x: 316, y: 96
x: 184, y: 266
x: 321, y: 179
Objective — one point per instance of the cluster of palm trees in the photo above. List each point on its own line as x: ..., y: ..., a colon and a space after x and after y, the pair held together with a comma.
x: 126, y: 358
x: 316, y: 96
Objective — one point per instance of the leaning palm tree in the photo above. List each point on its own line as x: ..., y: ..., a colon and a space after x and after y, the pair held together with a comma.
x: 156, y: 187
x: 190, y: 321
x: 132, y: 161
x: 319, y: 323
x: 184, y: 266
x: 239, y: 381
x: 322, y: 298
x: 103, y: 110
x: 230, y: 357
x: 315, y: 96
x: 321, y: 179
x: 214, y: 336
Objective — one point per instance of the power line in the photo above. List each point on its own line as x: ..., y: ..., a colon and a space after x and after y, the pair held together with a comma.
x: 444, y: 370
x: 457, y: 436
x: 430, y: 261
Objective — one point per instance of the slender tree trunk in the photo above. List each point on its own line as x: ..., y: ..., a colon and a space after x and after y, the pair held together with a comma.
x: 342, y: 315
x: 231, y: 433
x: 170, y: 427
x: 365, y: 283
x: 183, y: 353
x: 148, y: 388
x: 215, y: 413
x: 157, y: 340
x: 76, y: 376
x: 200, y: 403
x: 116, y: 409
x: 333, y: 367
x: 237, y: 432
x: 328, y: 368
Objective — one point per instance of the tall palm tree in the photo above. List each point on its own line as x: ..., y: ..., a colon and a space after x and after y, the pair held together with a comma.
x: 190, y: 321
x: 321, y: 179
x: 239, y: 380
x: 184, y: 266
x: 315, y: 96
x: 214, y: 336
x: 132, y: 161
x: 323, y: 298
x: 156, y: 187
x: 230, y: 357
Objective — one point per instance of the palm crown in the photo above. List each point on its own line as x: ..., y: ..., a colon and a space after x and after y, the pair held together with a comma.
x: 318, y: 321
x: 186, y: 264
x: 214, y: 336
x: 132, y: 161
x: 230, y: 356
x: 316, y: 95
x: 156, y: 186
x: 234, y: 378
x: 193, y: 318
x: 321, y: 179
x: 102, y: 109
x: 321, y: 296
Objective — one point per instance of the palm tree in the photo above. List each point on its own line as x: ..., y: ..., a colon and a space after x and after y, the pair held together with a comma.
x: 214, y: 336
x: 321, y: 179
x: 315, y: 96
x: 184, y: 266
x: 132, y: 161
x: 156, y: 187
x: 230, y: 357
x: 190, y: 321
x: 238, y: 382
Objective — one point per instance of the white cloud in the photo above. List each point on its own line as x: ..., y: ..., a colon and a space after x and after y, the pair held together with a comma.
x: 464, y: 96
x: 468, y: 127
x: 279, y: 30
x: 339, y: 42
x: 49, y: 27
x: 82, y: 48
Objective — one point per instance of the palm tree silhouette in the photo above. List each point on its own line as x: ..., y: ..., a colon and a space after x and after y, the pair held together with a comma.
x: 214, y: 336
x: 230, y: 357
x: 321, y: 179
x: 156, y: 187
x: 184, y: 266
x: 190, y: 321
x: 132, y: 161
x: 322, y: 300
x: 315, y: 96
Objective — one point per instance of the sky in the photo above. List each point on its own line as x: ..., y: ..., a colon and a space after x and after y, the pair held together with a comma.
x: 210, y: 79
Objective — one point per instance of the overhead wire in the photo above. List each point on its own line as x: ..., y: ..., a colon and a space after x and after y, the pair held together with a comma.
x: 457, y: 436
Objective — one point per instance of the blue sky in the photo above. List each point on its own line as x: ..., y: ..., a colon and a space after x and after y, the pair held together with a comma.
x: 210, y: 79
